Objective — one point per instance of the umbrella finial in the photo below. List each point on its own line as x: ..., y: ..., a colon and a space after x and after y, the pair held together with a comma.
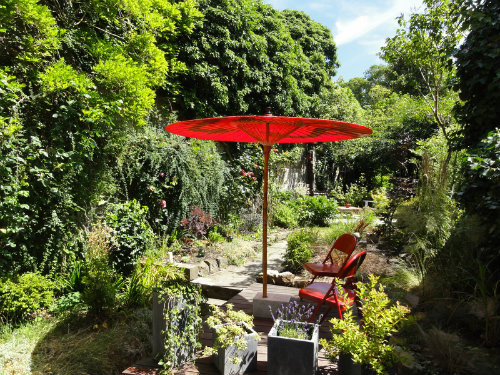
x: 268, y: 112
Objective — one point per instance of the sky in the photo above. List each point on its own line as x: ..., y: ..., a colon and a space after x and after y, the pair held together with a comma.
x: 359, y: 27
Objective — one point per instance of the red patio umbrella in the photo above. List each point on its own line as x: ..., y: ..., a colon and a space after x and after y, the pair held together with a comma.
x: 268, y: 130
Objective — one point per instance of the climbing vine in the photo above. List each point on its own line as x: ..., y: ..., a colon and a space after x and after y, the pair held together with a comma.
x: 182, y: 313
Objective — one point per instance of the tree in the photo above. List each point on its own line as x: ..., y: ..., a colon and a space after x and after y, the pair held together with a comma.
x: 421, y: 52
x: 247, y: 56
x: 477, y: 68
x: 82, y: 74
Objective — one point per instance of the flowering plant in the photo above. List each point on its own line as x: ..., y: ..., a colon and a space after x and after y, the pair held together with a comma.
x: 291, y: 319
x: 230, y: 327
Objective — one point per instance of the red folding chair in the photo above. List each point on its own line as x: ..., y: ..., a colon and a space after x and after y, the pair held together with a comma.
x: 326, y: 293
x: 346, y: 244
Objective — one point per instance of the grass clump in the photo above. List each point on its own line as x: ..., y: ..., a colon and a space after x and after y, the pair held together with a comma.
x: 299, y: 249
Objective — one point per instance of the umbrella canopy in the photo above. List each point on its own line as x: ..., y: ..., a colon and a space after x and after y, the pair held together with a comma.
x: 268, y: 130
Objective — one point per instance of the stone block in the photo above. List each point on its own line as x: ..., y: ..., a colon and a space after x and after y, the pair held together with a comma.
x: 221, y: 262
x: 203, y: 269
x: 261, y: 304
x: 212, y: 265
x: 285, y: 278
x: 190, y: 270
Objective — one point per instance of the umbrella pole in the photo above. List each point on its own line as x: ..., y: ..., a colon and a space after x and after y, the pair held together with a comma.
x: 267, y: 150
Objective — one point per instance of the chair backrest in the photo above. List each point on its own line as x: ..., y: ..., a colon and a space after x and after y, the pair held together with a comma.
x: 351, y: 266
x: 345, y: 243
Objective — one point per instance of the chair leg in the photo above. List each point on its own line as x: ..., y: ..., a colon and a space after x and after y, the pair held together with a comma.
x: 324, y: 316
x: 310, y: 282
x: 339, y: 310
x: 315, y: 312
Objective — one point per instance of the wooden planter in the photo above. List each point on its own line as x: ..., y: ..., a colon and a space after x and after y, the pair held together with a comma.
x: 223, y: 359
x: 288, y: 356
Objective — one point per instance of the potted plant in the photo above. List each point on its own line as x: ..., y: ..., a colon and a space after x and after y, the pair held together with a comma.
x: 366, y: 341
x: 234, y: 348
x: 176, y: 322
x: 292, y: 343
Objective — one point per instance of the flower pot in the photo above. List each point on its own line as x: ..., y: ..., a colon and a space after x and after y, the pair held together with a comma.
x: 224, y: 358
x: 347, y: 367
x: 292, y: 356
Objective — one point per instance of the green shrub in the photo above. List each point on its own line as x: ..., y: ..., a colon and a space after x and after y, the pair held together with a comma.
x: 285, y: 216
x: 214, y: 236
x: 299, y: 250
x: 100, y: 283
x: 147, y: 276
x: 353, y: 193
x: 25, y: 295
x: 131, y: 234
x: 367, y: 343
x: 316, y: 210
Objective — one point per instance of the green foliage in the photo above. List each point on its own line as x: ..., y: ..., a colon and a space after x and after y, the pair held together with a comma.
x: 214, y: 236
x: 421, y: 51
x: 24, y: 296
x: 247, y: 55
x: 315, y: 211
x: 339, y: 103
x: 299, y: 250
x: 353, y: 193
x: 285, y: 216
x: 73, y: 79
x: 477, y: 67
x: 427, y: 219
x: 183, y: 322
x: 169, y: 175
x: 131, y: 234
x: 147, y: 276
x: 230, y: 328
x: 367, y: 341
x: 100, y: 282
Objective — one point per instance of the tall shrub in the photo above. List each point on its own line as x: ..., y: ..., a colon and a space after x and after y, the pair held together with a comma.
x: 169, y: 174
x: 426, y: 220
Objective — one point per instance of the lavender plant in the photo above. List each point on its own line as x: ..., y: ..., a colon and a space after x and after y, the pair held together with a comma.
x: 291, y: 319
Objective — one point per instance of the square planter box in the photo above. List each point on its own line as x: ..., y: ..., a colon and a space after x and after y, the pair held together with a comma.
x: 347, y: 367
x: 223, y: 358
x: 292, y: 356
x: 161, y: 309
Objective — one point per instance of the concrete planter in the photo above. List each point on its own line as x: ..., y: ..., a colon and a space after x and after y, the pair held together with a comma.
x: 183, y: 353
x: 223, y: 359
x: 347, y: 366
x: 292, y: 356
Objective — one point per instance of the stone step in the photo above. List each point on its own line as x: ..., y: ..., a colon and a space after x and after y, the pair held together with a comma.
x: 216, y: 302
x: 218, y: 291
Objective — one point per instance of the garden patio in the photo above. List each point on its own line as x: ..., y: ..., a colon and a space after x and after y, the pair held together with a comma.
x: 241, y: 301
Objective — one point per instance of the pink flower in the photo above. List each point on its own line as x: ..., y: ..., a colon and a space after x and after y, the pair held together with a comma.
x: 254, y: 178
x: 162, y: 174
x: 242, y: 172
x: 163, y: 203
x: 274, y: 150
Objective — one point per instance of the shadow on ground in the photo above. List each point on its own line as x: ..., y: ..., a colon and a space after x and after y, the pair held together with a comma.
x: 79, y: 345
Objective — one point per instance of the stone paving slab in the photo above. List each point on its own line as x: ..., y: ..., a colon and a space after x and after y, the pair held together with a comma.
x: 240, y: 277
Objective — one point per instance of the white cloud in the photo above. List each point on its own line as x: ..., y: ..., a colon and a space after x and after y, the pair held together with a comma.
x: 370, y: 18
